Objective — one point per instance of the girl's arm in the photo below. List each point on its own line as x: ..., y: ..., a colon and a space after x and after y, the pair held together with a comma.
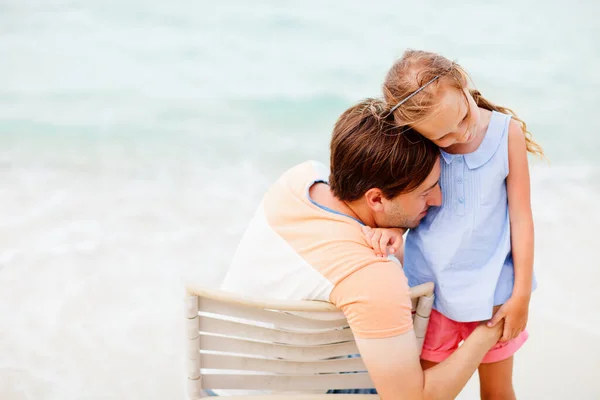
x: 516, y: 309
x: 519, y: 209
x: 386, y: 241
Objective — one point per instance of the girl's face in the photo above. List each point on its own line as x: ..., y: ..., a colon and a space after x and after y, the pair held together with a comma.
x: 455, y: 122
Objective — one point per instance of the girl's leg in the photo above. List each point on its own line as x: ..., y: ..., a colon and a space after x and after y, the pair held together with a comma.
x: 495, y: 380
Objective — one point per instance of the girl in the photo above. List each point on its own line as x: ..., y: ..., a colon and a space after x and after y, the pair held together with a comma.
x: 477, y: 247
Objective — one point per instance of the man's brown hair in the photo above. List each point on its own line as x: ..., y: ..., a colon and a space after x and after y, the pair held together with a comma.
x: 369, y: 151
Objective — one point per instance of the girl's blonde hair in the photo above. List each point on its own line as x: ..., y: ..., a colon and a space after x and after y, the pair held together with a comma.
x: 417, y: 68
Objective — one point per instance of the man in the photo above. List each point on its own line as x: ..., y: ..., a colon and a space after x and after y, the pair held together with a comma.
x: 306, y: 243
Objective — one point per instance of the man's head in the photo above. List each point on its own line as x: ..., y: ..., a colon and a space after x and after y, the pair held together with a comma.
x: 389, y: 172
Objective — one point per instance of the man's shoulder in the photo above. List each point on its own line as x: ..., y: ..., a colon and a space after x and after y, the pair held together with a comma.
x: 297, y: 177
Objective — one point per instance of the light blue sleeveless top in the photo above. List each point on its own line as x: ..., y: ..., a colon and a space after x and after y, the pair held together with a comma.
x: 463, y: 246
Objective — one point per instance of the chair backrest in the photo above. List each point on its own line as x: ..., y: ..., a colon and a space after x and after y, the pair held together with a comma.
x: 238, y: 342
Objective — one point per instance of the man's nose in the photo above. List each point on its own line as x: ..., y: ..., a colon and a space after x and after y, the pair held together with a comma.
x: 435, y: 197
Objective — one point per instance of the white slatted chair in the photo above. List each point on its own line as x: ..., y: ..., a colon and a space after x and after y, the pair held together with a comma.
x: 238, y: 342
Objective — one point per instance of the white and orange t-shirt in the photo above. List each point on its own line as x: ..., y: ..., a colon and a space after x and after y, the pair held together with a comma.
x: 296, y: 249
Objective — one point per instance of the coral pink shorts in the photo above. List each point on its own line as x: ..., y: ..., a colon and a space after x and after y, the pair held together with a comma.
x: 444, y: 335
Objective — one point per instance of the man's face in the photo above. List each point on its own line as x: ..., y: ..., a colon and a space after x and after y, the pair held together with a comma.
x: 406, y: 210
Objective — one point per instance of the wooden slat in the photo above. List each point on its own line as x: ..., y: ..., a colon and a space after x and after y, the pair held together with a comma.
x: 191, y: 306
x: 421, y: 318
x: 282, y: 382
x: 420, y: 344
x: 425, y: 305
x: 192, y: 327
x: 251, y: 301
x: 420, y: 326
x: 269, y: 350
x: 193, y: 289
x: 290, y: 348
x: 194, y: 389
x: 280, y: 320
x: 236, y: 329
x: 193, y: 368
x: 193, y: 348
x: 236, y: 363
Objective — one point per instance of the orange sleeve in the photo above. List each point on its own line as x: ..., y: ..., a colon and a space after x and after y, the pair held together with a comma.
x: 375, y: 300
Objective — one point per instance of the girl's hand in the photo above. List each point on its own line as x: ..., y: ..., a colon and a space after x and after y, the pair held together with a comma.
x: 384, y: 240
x: 515, y: 313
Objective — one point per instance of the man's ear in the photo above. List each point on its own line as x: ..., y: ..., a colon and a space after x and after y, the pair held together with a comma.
x: 374, y: 198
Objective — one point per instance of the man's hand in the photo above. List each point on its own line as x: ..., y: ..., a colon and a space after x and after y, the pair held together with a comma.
x: 515, y: 313
x: 384, y: 240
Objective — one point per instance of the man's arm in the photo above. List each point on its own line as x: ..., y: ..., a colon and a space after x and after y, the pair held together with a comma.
x: 393, y: 364
x: 376, y: 302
